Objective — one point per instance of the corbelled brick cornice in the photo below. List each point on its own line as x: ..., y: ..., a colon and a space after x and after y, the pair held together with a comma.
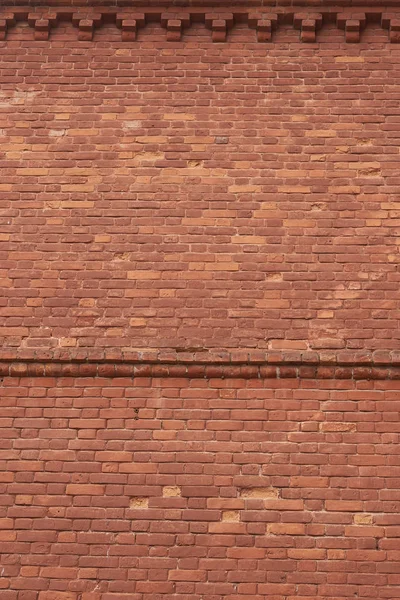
x: 265, y: 17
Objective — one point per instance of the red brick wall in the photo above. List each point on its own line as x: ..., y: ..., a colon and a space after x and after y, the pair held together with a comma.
x: 191, y: 194
x: 178, y: 488
x: 199, y: 323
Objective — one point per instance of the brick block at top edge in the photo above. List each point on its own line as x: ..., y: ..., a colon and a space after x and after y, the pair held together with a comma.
x: 210, y: 3
x: 212, y: 9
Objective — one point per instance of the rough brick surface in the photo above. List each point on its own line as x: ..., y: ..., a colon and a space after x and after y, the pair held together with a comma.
x: 176, y: 488
x: 199, y: 307
x: 198, y: 194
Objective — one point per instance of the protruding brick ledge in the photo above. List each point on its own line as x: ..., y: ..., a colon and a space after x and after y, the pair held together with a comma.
x: 266, y: 17
x: 195, y: 365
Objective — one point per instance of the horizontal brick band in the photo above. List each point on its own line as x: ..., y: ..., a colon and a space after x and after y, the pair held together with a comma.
x: 149, y: 364
x: 282, y: 4
x: 190, y: 356
x: 265, y: 19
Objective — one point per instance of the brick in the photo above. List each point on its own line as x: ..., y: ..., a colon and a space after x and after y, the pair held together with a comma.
x: 85, y: 489
x: 307, y: 553
x: 343, y: 505
x: 139, y: 322
x: 247, y: 239
x: 56, y: 595
x: 234, y: 189
x: 144, y: 275
x: 286, y: 529
x: 187, y: 575
x: 323, y: 133
x: 279, y: 504
x: 349, y: 59
x: 259, y: 492
x: 231, y: 516
x: 139, y: 503
x: 294, y: 189
x: 171, y: 491
x: 222, y: 266
x: 32, y: 172
x: 363, y: 519
x: 364, y: 531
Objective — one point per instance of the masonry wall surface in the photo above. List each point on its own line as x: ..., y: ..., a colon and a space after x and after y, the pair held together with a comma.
x: 199, y: 195
x: 219, y: 488
x: 199, y: 308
